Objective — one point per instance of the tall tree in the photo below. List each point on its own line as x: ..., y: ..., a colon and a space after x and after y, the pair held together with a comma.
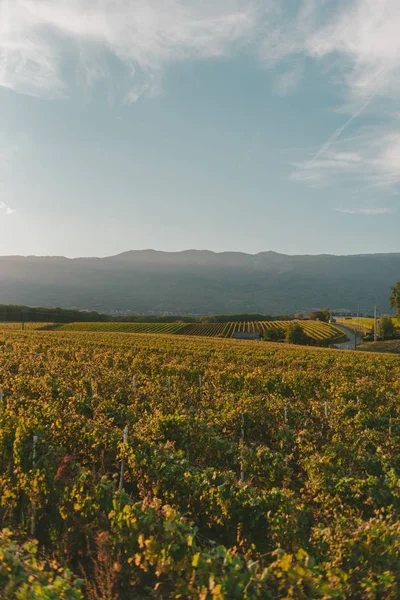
x: 386, y: 328
x: 395, y: 298
x: 319, y: 315
x: 295, y: 334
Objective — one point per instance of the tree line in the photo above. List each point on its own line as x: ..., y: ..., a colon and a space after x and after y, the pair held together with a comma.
x: 21, y: 314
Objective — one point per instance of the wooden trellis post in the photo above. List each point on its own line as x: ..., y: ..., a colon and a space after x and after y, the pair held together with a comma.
x: 121, y: 475
x: 242, y: 450
x: 33, y: 520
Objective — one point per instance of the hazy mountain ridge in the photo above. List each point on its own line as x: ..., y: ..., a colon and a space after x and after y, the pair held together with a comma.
x: 200, y: 281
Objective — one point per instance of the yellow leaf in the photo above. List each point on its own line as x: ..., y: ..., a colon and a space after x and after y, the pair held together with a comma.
x: 195, y: 560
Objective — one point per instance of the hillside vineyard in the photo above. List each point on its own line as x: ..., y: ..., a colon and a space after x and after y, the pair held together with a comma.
x: 318, y: 331
x: 174, y: 467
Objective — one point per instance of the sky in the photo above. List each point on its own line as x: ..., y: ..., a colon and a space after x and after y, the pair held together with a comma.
x: 245, y: 125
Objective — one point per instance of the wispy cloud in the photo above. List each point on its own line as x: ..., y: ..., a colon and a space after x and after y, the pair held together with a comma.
x: 365, y: 33
x: 47, y: 44
x: 372, y: 158
x: 361, y: 40
x: 366, y: 211
x: 336, y: 134
x: 289, y: 80
x: 52, y: 47
x: 6, y: 209
x: 143, y: 37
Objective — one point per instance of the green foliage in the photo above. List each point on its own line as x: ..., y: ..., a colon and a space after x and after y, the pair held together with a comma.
x: 24, y: 576
x: 295, y: 334
x: 320, y: 315
x: 273, y: 335
x: 386, y: 328
x: 395, y: 298
x: 26, y: 314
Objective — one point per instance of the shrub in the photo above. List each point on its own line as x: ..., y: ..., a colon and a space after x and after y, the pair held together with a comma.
x: 295, y: 334
x: 24, y: 577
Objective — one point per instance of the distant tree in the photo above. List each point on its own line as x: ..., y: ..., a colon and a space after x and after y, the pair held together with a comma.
x: 319, y: 315
x: 386, y: 328
x: 273, y: 335
x: 327, y: 313
x: 395, y: 298
x: 295, y: 334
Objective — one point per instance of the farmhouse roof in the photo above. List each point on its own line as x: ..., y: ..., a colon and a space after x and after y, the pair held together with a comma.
x: 247, y: 335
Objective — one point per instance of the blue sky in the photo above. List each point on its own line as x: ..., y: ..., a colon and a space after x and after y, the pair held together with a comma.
x: 174, y: 124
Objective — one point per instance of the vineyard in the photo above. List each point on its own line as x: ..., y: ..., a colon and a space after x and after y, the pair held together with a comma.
x: 316, y: 330
x: 20, y: 326
x: 166, y: 328
x: 177, y: 467
x: 363, y: 324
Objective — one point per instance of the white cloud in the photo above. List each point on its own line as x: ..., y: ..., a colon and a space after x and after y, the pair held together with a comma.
x: 365, y: 32
x: 366, y: 211
x: 7, y: 210
x: 40, y: 39
x: 50, y: 47
x: 361, y: 40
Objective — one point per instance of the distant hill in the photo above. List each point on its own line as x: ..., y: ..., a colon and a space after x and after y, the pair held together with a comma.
x: 200, y: 282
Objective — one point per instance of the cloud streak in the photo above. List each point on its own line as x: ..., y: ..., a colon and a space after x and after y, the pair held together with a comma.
x: 371, y: 158
x: 366, y: 211
x: 360, y: 42
x: 343, y: 128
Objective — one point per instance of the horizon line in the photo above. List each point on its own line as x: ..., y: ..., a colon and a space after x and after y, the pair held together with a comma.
x: 195, y: 250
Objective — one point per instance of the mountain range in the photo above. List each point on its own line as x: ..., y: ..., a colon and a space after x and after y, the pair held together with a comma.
x: 201, y: 282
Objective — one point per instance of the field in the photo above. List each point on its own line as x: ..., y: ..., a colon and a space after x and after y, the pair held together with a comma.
x: 166, y: 328
x: 363, y: 324
x: 245, y: 471
x: 392, y: 346
x: 316, y: 330
x: 21, y: 326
